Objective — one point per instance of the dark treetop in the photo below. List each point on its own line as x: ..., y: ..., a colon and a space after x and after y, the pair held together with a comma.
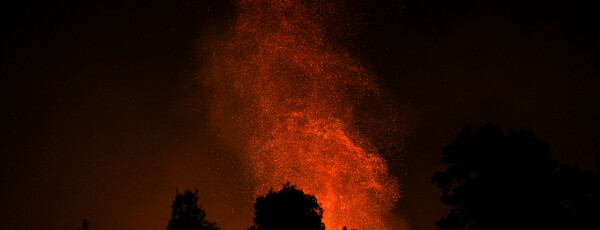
x: 290, y: 209
x: 497, y: 181
x: 187, y: 215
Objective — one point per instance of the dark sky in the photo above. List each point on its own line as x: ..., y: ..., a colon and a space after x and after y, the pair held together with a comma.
x: 103, y: 116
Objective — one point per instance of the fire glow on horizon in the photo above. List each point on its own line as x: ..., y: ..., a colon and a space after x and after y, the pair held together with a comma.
x: 290, y: 97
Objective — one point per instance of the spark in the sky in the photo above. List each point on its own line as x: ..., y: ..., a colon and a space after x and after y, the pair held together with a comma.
x: 291, y: 98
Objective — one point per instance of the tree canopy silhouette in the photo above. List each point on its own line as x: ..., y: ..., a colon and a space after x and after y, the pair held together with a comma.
x: 289, y: 208
x: 187, y: 215
x: 497, y: 181
x: 85, y: 225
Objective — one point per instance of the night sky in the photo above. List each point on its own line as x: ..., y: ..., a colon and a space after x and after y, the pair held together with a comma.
x: 104, y: 113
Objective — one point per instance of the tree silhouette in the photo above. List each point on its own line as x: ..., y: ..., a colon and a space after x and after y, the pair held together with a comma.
x: 497, y: 181
x: 187, y: 215
x: 289, y: 209
x: 579, y: 193
x: 85, y: 225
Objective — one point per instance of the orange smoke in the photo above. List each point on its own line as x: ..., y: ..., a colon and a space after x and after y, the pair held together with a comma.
x: 290, y: 98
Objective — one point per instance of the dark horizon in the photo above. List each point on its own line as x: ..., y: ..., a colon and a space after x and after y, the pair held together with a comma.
x: 105, y: 114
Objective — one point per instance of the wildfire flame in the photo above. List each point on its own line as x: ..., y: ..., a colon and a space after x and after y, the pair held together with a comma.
x: 290, y: 97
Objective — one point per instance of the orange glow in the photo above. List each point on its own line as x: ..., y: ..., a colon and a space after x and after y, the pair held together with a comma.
x: 290, y: 98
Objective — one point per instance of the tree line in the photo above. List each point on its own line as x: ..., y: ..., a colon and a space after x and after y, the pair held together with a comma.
x: 492, y: 181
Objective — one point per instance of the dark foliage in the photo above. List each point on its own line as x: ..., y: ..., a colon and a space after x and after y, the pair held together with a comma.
x: 288, y: 209
x: 187, y: 215
x: 495, y: 181
x: 85, y: 225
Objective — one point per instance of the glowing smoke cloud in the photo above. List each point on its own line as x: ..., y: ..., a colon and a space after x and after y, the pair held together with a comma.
x: 290, y: 99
